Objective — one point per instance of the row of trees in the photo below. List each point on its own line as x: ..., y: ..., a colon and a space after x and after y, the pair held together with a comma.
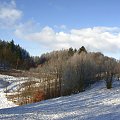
x: 70, y: 71
x: 13, y: 56
x: 67, y: 72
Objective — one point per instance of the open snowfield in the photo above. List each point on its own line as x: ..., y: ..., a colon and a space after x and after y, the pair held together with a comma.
x: 12, y: 84
x: 4, y: 103
x: 97, y: 103
x: 5, y: 81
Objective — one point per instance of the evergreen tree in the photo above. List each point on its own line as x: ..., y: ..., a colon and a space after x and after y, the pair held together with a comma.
x: 71, y: 52
x: 13, y: 56
x: 82, y: 49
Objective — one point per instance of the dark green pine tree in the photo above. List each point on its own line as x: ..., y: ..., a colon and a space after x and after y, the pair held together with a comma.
x: 82, y: 49
x: 71, y: 52
x: 12, y: 45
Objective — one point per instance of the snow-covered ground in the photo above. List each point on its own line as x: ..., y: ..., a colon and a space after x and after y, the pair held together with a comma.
x: 10, y: 84
x: 97, y: 103
x: 4, y: 103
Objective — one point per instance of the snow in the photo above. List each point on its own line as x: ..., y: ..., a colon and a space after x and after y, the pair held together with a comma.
x: 4, y: 103
x: 12, y: 84
x: 96, y: 103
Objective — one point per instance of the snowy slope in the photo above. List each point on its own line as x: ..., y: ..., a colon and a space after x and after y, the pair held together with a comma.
x: 12, y: 84
x: 97, y: 103
x: 4, y: 103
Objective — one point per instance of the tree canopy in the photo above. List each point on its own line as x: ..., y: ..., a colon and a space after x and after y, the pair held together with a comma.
x: 14, y: 56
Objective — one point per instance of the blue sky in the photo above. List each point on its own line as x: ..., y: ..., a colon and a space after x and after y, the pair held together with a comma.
x: 45, y: 25
x: 72, y: 13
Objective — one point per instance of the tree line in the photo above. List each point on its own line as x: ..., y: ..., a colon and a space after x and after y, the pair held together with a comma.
x: 14, y: 56
x: 71, y: 71
x: 58, y: 73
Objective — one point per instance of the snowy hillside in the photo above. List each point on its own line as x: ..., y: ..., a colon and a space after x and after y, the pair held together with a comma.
x: 4, y: 103
x: 5, y: 81
x: 97, y: 103
x: 12, y: 84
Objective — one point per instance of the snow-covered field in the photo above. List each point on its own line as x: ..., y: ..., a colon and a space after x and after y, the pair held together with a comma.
x: 4, y: 103
x: 97, y: 103
x: 9, y: 84
x: 12, y: 82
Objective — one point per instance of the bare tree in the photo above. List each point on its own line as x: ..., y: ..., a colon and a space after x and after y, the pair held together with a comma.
x: 110, y: 71
x: 79, y: 72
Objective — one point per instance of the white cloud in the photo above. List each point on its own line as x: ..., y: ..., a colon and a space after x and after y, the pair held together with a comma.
x: 9, y: 14
x: 63, y: 27
x: 104, y: 39
x: 60, y: 27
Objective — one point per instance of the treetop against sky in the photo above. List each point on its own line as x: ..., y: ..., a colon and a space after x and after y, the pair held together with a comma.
x: 44, y: 25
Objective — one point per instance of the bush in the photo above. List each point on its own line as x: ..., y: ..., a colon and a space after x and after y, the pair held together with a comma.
x: 38, y: 96
x: 109, y: 84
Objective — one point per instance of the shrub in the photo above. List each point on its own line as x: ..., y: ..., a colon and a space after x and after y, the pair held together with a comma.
x: 38, y: 96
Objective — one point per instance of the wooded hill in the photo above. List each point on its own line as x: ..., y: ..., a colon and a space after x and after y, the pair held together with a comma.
x: 14, y: 56
x: 71, y: 71
x: 62, y: 72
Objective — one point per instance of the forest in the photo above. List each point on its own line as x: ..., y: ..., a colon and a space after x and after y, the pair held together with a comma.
x: 71, y: 71
x: 58, y: 73
x: 14, y: 56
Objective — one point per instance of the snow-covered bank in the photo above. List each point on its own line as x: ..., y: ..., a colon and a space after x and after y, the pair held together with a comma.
x: 11, y: 83
x: 4, y: 103
x: 98, y: 103
x: 4, y: 81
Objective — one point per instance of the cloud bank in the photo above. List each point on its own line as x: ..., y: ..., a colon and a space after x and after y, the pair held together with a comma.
x: 9, y: 14
x: 104, y: 39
